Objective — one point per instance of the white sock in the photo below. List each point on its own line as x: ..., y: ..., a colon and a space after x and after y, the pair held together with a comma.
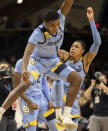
x: 67, y: 110
x: 58, y: 112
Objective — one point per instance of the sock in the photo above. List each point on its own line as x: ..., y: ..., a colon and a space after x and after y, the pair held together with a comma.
x: 67, y: 110
x: 57, y: 92
x: 58, y: 112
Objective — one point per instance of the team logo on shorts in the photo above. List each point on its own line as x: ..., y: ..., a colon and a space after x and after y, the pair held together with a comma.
x: 26, y: 109
x: 32, y: 61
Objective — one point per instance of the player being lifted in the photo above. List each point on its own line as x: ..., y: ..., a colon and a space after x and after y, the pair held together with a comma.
x: 40, y: 57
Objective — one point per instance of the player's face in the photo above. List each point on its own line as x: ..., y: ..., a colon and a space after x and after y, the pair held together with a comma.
x: 76, y: 49
x: 53, y: 26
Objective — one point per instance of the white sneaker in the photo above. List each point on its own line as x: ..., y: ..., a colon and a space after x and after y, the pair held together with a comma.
x: 68, y: 123
x: 59, y: 123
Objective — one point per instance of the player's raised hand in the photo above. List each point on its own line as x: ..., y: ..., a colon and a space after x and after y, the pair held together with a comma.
x: 93, y: 82
x: 90, y: 13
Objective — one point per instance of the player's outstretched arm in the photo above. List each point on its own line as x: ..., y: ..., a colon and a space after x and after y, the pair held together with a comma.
x: 88, y: 58
x: 66, y: 6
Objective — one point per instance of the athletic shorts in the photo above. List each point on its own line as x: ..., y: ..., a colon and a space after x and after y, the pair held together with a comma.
x: 31, y: 117
x: 49, y: 67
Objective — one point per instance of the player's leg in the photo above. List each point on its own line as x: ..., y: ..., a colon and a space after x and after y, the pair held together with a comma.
x: 75, y: 82
x: 57, y: 92
x: 51, y: 124
x: 61, y: 102
x: 61, y: 71
x: 47, y: 115
x: 29, y: 116
x: 50, y: 118
x: 30, y: 128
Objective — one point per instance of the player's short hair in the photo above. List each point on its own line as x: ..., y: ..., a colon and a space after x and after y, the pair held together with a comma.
x: 83, y: 44
x: 50, y: 15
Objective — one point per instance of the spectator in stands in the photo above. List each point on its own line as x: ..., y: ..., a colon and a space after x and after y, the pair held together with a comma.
x: 7, y: 123
x: 98, y: 91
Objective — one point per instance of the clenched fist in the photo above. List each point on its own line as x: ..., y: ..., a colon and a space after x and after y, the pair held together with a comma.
x: 33, y: 106
x: 90, y: 13
x: 25, y: 76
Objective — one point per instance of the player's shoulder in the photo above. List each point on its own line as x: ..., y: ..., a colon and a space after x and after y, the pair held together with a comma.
x: 38, y: 33
x: 38, y: 30
x: 19, y: 62
x: 62, y: 17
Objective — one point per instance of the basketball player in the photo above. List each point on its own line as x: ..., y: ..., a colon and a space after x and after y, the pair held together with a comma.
x: 40, y: 57
x: 80, y: 63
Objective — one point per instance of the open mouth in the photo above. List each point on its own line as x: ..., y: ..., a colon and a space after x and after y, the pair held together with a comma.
x: 72, y: 52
